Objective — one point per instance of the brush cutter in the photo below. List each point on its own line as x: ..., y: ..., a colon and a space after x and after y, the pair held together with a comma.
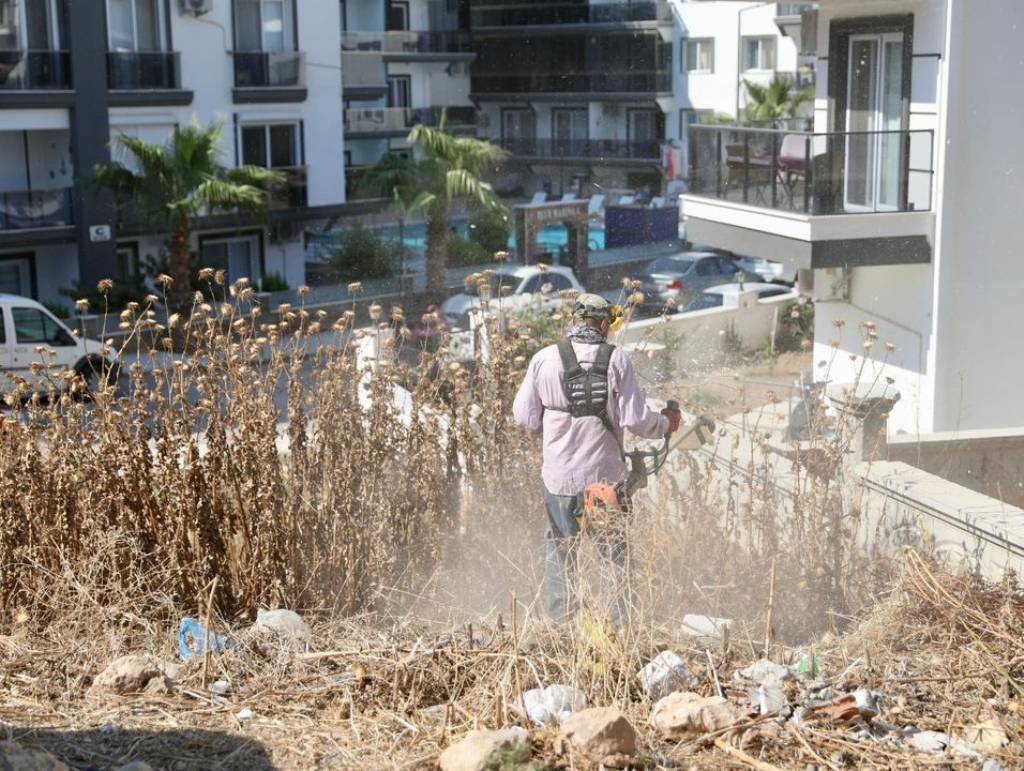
x: 602, y: 500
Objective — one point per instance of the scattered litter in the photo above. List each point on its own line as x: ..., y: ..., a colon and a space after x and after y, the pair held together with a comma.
x: 244, y: 714
x: 555, y: 701
x: 108, y: 728
x: 664, y: 674
x: 930, y: 741
x: 869, y: 703
x: 706, y: 626
x: 768, y: 698
x: 220, y: 687
x: 987, y: 736
x: 802, y: 669
x: 842, y: 711
x: 193, y: 636
x: 282, y: 622
x: 992, y: 765
x: 764, y: 671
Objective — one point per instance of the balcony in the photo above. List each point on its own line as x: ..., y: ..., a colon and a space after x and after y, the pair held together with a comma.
x: 35, y: 209
x: 812, y: 194
x: 140, y: 78
x: 35, y: 78
x: 628, y: 85
x: 409, y: 46
x: 397, y: 121
x: 544, y: 14
x: 604, y: 151
x: 291, y: 192
x: 269, y: 77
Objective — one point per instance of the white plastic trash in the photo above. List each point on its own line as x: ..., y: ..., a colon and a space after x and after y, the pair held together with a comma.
x: 664, y: 674
x: 765, y: 671
x: 705, y: 626
x: 555, y: 701
x: 282, y: 622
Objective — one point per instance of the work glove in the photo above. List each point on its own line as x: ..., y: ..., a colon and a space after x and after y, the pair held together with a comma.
x: 674, y: 417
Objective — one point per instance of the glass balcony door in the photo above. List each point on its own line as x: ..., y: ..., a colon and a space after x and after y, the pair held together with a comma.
x: 135, y: 25
x: 28, y: 24
x: 264, y: 25
x: 874, y: 120
x: 570, y: 130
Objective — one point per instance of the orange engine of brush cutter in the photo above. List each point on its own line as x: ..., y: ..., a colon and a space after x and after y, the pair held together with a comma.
x: 600, y: 499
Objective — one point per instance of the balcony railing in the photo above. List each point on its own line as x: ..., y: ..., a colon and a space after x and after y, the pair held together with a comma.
x: 568, y: 82
x: 143, y: 70
x: 813, y: 173
x: 405, y: 42
x: 259, y: 69
x: 569, y: 13
x: 34, y: 70
x: 393, y: 120
x: 291, y: 192
x: 29, y: 209
x: 792, y: 9
x: 596, y: 149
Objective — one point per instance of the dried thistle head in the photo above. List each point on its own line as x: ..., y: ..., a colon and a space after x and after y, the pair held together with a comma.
x: 105, y: 285
x: 303, y: 290
x: 501, y: 256
x: 375, y: 311
x: 164, y: 280
x: 355, y: 287
x: 81, y: 305
x: 206, y: 274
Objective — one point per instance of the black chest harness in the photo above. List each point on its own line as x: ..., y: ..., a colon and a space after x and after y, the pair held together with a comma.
x: 586, y: 390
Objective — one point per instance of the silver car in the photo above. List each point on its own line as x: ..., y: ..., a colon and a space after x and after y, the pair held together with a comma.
x: 670, y: 282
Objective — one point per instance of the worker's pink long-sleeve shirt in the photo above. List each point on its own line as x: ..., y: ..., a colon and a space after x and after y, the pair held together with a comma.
x: 579, y: 451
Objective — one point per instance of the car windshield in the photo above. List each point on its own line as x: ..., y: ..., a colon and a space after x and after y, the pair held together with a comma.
x: 495, y: 281
x: 670, y: 265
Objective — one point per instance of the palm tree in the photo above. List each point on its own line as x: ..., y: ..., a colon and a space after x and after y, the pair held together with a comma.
x: 778, y: 100
x: 178, y: 182
x: 446, y: 169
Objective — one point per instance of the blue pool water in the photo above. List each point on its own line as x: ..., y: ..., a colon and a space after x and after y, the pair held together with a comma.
x: 552, y: 238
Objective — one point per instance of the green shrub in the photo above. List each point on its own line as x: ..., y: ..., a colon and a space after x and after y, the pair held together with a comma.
x: 362, y: 254
x: 462, y: 252
x: 117, y: 298
x: 58, y: 309
x: 796, y: 325
x: 491, y: 230
x: 274, y: 283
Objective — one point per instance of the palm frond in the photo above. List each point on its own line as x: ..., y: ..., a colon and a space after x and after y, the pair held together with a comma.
x: 256, y: 176
x: 217, y: 194
x: 460, y: 183
x: 117, y: 178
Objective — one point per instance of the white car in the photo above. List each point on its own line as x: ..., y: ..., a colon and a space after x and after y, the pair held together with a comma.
x: 26, y: 327
x: 527, y: 284
x: 768, y: 270
x: 714, y: 297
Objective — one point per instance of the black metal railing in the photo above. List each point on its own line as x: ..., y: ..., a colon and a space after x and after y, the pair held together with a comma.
x: 143, y: 70
x: 813, y: 173
x: 595, y: 149
x: 384, y: 120
x: 567, y: 82
x: 508, y: 15
x: 29, y: 209
x: 291, y: 192
x: 407, y: 42
x: 259, y: 69
x: 34, y: 70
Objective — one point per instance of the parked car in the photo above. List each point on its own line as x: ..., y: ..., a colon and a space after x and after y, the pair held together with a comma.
x: 527, y: 284
x: 767, y: 270
x: 669, y: 283
x: 714, y: 297
x: 26, y: 326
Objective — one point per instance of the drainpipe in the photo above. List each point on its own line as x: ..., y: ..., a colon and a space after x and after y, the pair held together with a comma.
x: 739, y: 52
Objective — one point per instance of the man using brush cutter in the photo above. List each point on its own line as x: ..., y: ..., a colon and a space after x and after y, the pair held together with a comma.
x: 582, y: 393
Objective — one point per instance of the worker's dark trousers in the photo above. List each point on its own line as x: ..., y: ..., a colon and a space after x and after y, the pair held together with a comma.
x: 561, y: 562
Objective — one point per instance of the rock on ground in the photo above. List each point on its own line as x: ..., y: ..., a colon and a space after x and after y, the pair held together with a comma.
x: 601, y: 734
x: 14, y: 757
x: 133, y: 674
x: 664, y: 674
x: 480, y: 748
x: 683, y: 712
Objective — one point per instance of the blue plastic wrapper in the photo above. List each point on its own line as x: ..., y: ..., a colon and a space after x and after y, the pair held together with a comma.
x: 192, y: 639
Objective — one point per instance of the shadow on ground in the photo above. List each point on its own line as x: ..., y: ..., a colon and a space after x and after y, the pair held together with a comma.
x: 178, y: 749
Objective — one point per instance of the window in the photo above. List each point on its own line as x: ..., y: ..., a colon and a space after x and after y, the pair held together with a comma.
x: 31, y: 25
x: 238, y: 257
x: 558, y: 282
x: 16, y: 276
x: 759, y: 53
x: 273, y: 145
x: 642, y: 125
x: 707, y: 267
x: 135, y: 25
x: 698, y: 55
x: 567, y: 125
x: 344, y: 15
x: 518, y: 124
x: 265, y: 25
x: 32, y: 325
x: 128, y: 261
x: 399, y: 91
x: 690, y: 117
x: 397, y: 16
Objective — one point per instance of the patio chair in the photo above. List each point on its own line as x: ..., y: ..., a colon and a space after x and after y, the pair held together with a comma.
x: 568, y: 197
x: 627, y: 200
x: 793, y: 155
x: 539, y: 197
x: 657, y: 202
x: 596, y: 206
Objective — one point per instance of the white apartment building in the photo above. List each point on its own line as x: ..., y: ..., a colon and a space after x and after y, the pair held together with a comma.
x: 901, y: 211
x: 719, y: 44
x: 74, y: 76
x: 404, y: 62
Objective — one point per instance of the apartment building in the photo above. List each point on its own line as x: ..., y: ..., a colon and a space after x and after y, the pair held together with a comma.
x: 722, y: 43
x: 900, y: 211
x: 76, y: 75
x: 404, y: 62
x: 578, y: 92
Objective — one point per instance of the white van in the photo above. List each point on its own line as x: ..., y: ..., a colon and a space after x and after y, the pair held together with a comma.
x: 25, y: 326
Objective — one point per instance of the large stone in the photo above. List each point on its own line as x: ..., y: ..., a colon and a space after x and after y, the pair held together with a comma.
x: 14, y: 757
x: 600, y: 734
x: 664, y: 674
x: 133, y: 674
x: 684, y: 713
x: 480, y: 748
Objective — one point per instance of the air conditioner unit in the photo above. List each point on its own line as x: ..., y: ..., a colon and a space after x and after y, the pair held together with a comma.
x: 283, y: 232
x: 196, y: 7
